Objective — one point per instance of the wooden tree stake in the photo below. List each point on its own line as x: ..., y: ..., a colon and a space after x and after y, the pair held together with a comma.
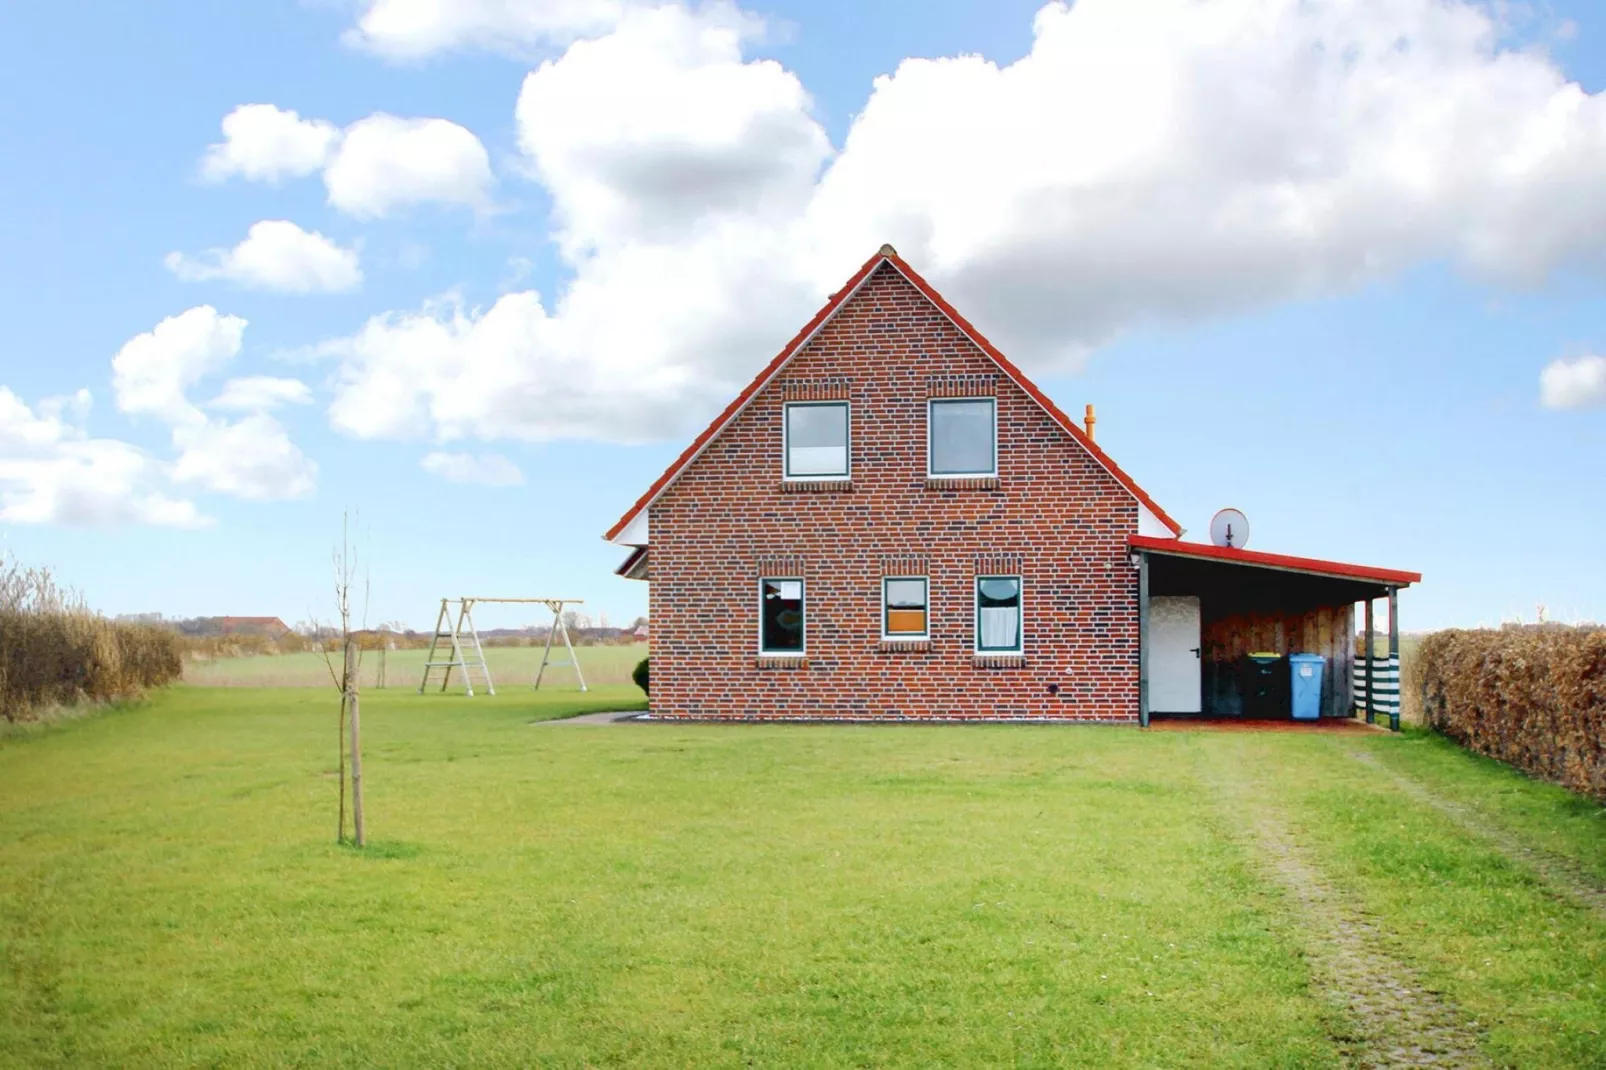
x: 356, y: 748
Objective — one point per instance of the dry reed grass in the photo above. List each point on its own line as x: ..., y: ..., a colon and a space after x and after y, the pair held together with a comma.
x: 56, y: 651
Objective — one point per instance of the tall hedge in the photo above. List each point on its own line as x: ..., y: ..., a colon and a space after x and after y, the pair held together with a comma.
x: 1534, y: 697
x: 55, y: 651
x: 52, y: 659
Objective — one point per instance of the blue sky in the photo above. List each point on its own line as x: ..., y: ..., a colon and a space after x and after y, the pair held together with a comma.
x: 1321, y: 290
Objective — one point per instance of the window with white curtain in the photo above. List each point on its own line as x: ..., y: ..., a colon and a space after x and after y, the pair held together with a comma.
x: 817, y: 440
x: 962, y: 437
x: 998, y: 614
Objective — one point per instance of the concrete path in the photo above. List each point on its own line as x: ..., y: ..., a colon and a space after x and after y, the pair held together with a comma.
x: 599, y: 718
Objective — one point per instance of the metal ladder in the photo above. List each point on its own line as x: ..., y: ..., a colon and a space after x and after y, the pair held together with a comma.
x: 466, y: 653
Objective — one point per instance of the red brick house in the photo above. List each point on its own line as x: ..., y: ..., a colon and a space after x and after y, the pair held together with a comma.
x: 893, y: 523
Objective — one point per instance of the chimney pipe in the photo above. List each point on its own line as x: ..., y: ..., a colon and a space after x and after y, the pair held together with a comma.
x: 1089, y: 420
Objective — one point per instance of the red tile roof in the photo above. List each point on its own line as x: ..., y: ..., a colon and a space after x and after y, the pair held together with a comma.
x: 837, y: 300
x: 1386, y: 576
x: 232, y: 624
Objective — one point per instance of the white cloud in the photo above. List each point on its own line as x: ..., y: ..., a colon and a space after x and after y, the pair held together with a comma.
x: 486, y: 469
x: 275, y: 255
x: 260, y: 393
x: 1574, y: 384
x: 93, y: 483
x: 57, y: 419
x: 386, y: 163
x: 372, y: 168
x: 52, y: 472
x: 153, y: 371
x: 265, y: 144
x: 703, y: 316
x: 651, y: 328
x: 412, y: 29
x: 1166, y: 160
x: 645, y: 134
x: 251, y: 458
x: 1148, y: 161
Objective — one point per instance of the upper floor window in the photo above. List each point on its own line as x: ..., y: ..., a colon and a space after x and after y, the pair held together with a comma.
x: 962, y: 437
x: 817, y: 440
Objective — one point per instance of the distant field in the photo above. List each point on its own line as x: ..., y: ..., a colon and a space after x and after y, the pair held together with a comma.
x: 510, y: 667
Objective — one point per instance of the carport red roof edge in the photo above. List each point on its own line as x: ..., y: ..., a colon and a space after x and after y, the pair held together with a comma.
x: 1387, y: 576
x: 809, y: 329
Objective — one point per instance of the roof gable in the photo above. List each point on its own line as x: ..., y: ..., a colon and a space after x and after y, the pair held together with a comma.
x: 631, y: 528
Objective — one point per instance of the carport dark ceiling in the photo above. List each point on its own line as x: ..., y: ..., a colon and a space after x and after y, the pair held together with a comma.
x: 1254, y: 586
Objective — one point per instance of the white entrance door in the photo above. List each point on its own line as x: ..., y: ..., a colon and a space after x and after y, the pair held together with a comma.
x: 1174, y: 654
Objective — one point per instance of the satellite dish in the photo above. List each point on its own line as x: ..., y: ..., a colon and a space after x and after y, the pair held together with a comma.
x: 1230, y: 528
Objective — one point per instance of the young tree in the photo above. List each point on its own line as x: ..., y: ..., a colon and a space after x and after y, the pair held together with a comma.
x: 347, y: 681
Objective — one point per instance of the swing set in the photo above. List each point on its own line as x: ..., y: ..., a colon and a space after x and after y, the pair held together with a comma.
x: 456, y: 644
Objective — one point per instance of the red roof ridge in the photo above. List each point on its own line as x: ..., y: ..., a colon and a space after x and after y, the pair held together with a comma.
x: 1031, y: 389
x: 889, y: 255
x: 1260, y: 557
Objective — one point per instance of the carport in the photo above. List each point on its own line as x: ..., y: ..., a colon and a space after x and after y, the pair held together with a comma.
x: 1203, y: 610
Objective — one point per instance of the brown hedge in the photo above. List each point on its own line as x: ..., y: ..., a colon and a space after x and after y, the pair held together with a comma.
x: 67, y: 656
x: 1534, y: 697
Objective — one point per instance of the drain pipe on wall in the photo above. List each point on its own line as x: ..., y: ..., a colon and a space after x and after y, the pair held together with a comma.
x: 1143, y: 638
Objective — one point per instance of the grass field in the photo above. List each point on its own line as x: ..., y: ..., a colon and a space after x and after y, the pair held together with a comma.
x: 511, y: 667
x: 657, y: 895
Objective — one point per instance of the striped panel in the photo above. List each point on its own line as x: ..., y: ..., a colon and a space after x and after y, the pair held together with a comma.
x: 1385, y: 684
x: 828, y: 388
x: 961, y: 386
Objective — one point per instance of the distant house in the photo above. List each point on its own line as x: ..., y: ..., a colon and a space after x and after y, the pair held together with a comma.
x: 269, y: 627
x: 640, y: 632
x: 891, y: 522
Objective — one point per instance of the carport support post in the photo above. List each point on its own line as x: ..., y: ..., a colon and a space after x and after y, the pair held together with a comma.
x: 1143, y: 639
x: 1394, y: 656
x: 1371, y: 718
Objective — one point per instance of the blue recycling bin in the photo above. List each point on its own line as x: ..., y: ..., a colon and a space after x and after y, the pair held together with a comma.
x: 1305, y: 691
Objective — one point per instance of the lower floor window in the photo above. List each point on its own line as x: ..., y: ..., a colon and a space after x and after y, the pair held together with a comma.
x: 998, y: 614
x: 904, y: 612
x: 781, y: 616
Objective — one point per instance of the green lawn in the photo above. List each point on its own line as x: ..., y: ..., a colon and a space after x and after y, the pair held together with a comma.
x: 511, y: 667
x: 746, y: 895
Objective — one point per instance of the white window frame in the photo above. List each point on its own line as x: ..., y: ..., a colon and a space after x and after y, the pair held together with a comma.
x: 931, y: 404
x: 975, y: 617
x: 786, y: 442
x: 804, y: 589
x: 904, y: 637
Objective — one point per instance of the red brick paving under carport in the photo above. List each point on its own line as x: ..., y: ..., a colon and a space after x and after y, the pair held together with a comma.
x: 1240, y: 724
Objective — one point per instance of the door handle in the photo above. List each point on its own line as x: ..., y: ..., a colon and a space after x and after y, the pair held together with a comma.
x: 1195, y: 650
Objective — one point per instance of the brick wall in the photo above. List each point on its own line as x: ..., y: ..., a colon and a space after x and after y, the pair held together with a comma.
x: 1053, y: 514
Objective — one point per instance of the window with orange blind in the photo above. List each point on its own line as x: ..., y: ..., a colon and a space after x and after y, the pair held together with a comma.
x: 904, y: 607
